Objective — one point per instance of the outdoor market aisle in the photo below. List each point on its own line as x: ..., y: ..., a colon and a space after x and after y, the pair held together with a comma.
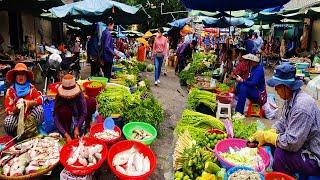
x: 173, y: 100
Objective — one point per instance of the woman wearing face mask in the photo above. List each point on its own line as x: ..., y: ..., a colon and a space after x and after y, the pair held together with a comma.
x: 23, y: 91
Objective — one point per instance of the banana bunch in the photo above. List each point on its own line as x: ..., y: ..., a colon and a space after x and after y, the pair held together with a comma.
x: 184, y: 141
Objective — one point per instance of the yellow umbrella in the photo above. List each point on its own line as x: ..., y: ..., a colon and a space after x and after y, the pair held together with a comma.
x: 143, y: 41
x: 186, y: 29
x: 148, y: 34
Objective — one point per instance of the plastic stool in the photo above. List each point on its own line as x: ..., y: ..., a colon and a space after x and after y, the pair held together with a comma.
x: 222, y: 106
x: 255, y: 110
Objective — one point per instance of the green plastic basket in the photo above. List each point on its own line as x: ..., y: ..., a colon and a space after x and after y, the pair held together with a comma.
x: 128, y: 131
x: 102, y: 80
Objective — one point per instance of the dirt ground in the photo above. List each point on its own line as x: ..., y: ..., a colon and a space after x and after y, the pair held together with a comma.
x: 173, y: 99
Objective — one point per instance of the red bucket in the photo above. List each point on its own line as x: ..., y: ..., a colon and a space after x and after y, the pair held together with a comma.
x: 99, y: 128
x: 92, y: 91
x: 82, y: 171
x: 277, y: 176
x: 53, y: 88
x: 125, y: 145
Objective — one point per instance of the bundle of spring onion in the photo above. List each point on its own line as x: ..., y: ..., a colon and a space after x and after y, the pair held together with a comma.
x: 197, y: 124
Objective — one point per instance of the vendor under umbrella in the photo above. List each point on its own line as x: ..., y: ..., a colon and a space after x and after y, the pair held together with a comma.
x: 254, y: 87
x: 296, y: 134
x: 22, y: 90
x: 72, y: 111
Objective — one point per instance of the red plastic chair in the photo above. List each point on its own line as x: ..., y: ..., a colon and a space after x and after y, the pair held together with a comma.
x: 255, y: 110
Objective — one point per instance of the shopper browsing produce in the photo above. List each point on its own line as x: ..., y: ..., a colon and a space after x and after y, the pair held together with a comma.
x: 184, y: 53
x: 296, y: 134
x: 107, y: 48
x: 159, y: 53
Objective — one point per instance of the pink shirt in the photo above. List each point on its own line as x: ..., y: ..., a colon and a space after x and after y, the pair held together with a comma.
x: 160, y: 45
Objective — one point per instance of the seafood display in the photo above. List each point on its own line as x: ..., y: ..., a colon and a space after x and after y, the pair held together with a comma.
x: 132, y: 163
x: 138, y: 134
x: 85, y: 156
x: 30, y: 156
x: 107, y: 134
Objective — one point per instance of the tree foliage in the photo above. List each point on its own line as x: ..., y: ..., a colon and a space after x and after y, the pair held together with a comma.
x: 158, y: 19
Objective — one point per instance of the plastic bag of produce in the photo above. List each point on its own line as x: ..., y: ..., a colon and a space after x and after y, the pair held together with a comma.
x: 313, y: 87
x: 270, y: 107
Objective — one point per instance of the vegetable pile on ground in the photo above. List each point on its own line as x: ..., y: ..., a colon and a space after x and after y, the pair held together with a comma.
x: 144, y: 108
x: 200, y: 63
x: 113, y: 100
x: 197, y: 97
x: 197, y: 124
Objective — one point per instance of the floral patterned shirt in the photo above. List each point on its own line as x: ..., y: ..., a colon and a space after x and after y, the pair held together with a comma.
x: 11, y: 98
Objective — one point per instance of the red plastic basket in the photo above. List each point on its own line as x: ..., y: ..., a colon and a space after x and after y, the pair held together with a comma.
x: 53, y: 88
x: 99, y: 128
x: 4, y: 140
x: 92, y: 91
x: 225, y: 98
x: 127, y: 144
x: 67, y: 150
x: 224, y: 145
x: 277, y: 176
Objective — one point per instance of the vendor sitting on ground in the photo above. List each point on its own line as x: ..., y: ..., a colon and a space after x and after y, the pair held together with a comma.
x: 296, y: 134
x: 254, y: 87
x: 21, y: 88
x: 72, y: 111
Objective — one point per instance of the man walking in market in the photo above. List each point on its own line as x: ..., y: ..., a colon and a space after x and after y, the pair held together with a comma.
x: 107, y: 49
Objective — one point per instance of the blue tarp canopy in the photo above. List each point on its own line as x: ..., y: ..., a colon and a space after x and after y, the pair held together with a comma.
x: 231, y: 5
x: 99, y: 10
x: 225, y: 22
x: 180, y: 23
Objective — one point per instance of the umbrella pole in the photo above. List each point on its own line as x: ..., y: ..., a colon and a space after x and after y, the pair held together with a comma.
x: 229, y: 25
x: 35, y: 37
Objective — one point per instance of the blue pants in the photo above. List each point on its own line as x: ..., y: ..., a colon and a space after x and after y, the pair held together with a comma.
x: 157, y: 67
x: 245, y: 92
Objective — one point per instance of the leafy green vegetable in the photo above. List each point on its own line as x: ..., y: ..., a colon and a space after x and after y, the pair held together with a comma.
x: 200, y: 63
x: 113, y: 100
x: 197, y: 124
x: 197, y: 96
x: 242, y: 130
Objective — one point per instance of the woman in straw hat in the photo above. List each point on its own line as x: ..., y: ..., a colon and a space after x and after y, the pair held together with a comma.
x: 72, y: 110
x: 21, y: 90
x: 254, y: 87
x: 295, y: 135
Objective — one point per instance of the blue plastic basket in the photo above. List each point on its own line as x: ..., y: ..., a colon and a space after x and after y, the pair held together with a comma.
x: 48, y: 121
x: 237, y: 168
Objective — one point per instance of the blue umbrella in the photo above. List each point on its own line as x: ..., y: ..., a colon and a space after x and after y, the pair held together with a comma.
x: 97, y: 10
x: 231, y: 5
x: 225, y: 22
x: 180, y: 23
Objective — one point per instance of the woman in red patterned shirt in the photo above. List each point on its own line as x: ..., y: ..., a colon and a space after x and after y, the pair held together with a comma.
x: 21, y: 88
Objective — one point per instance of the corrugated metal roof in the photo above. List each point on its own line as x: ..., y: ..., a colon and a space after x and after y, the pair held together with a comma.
x: 298, y: 4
